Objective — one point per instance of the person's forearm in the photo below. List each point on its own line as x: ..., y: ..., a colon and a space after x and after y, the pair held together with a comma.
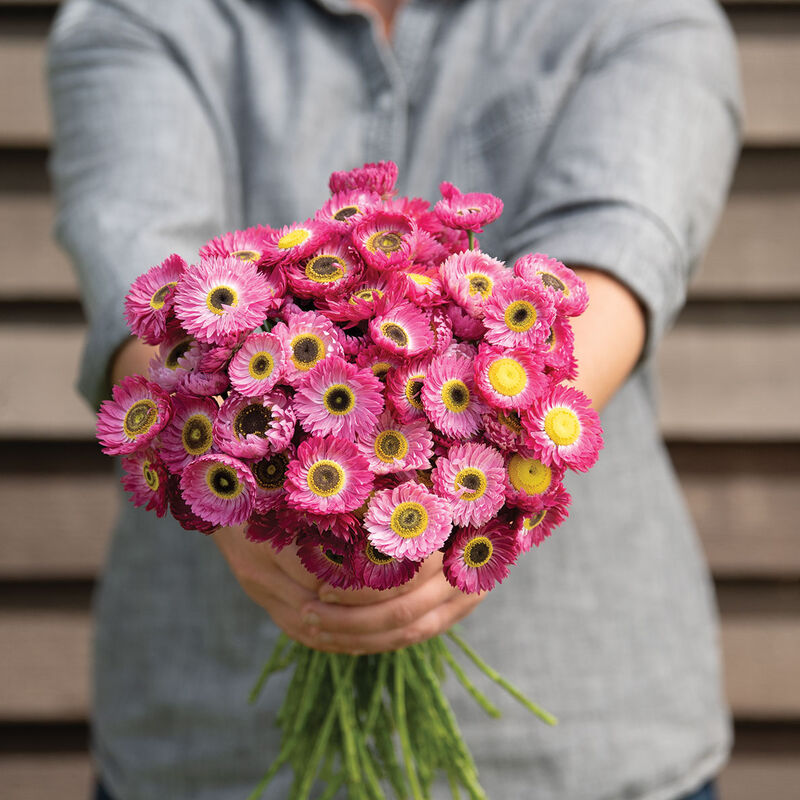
x: 132, y: 358
x: 609, y: 336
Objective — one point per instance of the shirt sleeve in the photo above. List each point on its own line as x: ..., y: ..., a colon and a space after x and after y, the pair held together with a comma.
x: 136, y: 165
x: 639, y: 161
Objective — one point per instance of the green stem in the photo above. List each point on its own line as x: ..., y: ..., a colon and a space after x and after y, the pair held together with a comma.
x: 272, y: 665
x: 479, y: 697
x: 492, y: 674
x: 471, y: 240
x: 400, y: 720
x: 377, y: 693
x: 347, y: 724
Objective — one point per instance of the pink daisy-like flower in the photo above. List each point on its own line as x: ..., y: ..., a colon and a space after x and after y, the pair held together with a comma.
x: 408, y: 521
x: 326, y: 557
x: 503, y: 428
x: 258, y: 365
x: 277, y: 526
x: 467, y: 212
x: 347, y: 208
x: 359, y: 303
x: 559, y: 353
x: 379, y: 177
x: 291, y: 243
x: 177, y: 355
x: 472, y: 479
x: 180, y: 510
x: 563, y: 428
x: 329, y: 271
x: 146, y: 479
x: 252, y: 427
x: 471, y: 278
x: 465, y: 326
x: 346, y: 526
x: 204, y: 384
x: 393, y: 446
x: 401, y: 328
x: 246, y: 245
x: 385, y: 240
x: 509, y: 378
x: 269, y: 473
x: 214, y: 358
x: 442, y: 330
x: 450, y: 399
x: 275, y: 286
x: 338, y: 398
x: 519, y: 314
x: 220, y: 299
x: 189, y: 434
x: 476, y: 560
x: 534, y: 527
x: 380, y: 571
x: 569, y: 291
x: 308, y: 338
x: 377, y: 360
x: 528, y: 481
x: 219, y: 489
x: 328, y: 476
x: 421, y: 286
x: 404, y: 389
x: 137, y: 412
x: 150, y: 299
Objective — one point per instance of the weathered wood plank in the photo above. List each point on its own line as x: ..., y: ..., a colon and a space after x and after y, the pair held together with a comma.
x: 33, y: 776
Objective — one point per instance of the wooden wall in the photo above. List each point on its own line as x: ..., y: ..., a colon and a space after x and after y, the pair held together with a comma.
x: 731, y: 391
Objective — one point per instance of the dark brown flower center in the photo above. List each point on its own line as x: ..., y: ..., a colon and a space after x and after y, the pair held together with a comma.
x: 197, y: 434
x: 224, y: 481
x: 548, y: 279
x: 221, y: 296
x: 394, y: 332
x: 270, y: 473
x: 334, y: 558
x: 253, y: 419
x: 344, y: 213
x: 177, y: 352
x: 306, y: 349
x: 479, y: 553
x: 376, y: 556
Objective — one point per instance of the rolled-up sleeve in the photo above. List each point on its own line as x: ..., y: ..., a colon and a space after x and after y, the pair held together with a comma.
x: 136, y: 164
x: 638, y: 163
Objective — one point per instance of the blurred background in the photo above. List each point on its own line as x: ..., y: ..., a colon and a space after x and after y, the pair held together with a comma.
x: 731, y: 416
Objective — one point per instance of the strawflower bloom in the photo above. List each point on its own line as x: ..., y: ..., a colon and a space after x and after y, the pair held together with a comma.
x: 379, y: 177
x: 377, y: 360
x: 269, y: 473
x: 509, y: 378
x: 326, y: 557
x: 450, y: 399
x: 189, y: 434
x: 477, y: 559
x: 394, y: 446
x: 384, y: 240
x: 332, y: 269
x: 177, y: 355
x: 347, y: 208
x: 534, y: 527
x: 503, y: 428
x: 277, y: 526
x: 569, y: 291
x: 559, y: 353
x: 252, y: 427
x: 472, y: 478
x: 328, y: 476
x: 357, y: 304
x: 221, y: 298
x: 338, y: 398
x: 246, y: 245
x: 308, y: 339
x: 467, y: 212
x: 219, y: 488
x: 408, y: 521
x: 204, y: 384
x: 563, y: 428
x: 180, y: 510
x: 471, y: 277
x: 145, y: 478
x: 404, y: 389
x: 377, y: 570
x: 402, y: 328
x: 149, y: 302
x: 137, y: 412
x: 258, y: 365
x: 464, y: 326
x: 528, y: 481
x: 519, y: 314
x: 291, y: 243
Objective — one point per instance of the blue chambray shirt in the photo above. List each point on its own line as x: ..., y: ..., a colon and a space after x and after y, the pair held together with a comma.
x: 610, y: 129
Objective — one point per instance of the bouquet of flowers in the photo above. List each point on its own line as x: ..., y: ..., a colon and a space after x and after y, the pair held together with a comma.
x: 368, y: 387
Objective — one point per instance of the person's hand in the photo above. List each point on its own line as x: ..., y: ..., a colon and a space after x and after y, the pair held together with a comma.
x: 343, y: 620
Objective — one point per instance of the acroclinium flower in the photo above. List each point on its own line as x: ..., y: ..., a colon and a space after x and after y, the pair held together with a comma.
x: 308, y: 338
x: 379, y: 177
x: 509, y: 378
x: 327, y: 557
x: 394, y: 446
x: 189, y: 434
x: 421, y: 286
x: 137, y: 412
x: 294, y: 242
x: 145, y: 478
x: 328, y: 476
x: 150, y: 300
x: 219, y: 489
x: 384, y: 240
x: 471, y: 278
x: 258, y: 365
x: 181, y: 512
x: 345, y: 209
x: 408, y: 521
x: 403, y: 329
x: 503, y: 428
x: 535, y: 526
x: 559, y: 352
x: 377, y: 570
x: 221, y: 298
x: 269, y: 473
x: 450, y: 399
x: 472, y: 479
x: 277, y: 526
x: 329, y: 271
x: 569, y: 291
x: 252, y: 427
x: 338, y: 398
x: 519, y: 314
x: 404, y: 389
x: 246, y: 245
x: 377, y: 360
x: 528, y: 480
x: 477, y: 559
x: 563, y: 428
x: 467, y: 212
x: 177, y: 355
x: 358, y: 303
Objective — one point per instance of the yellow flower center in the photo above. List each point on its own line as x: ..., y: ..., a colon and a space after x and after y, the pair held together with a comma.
x: 160, y: 297
x: 480, y: 284
x: 224, y: 482
x: 339, y: 399
x: 510, y: 420
x: 534, y: 520
x: 529, y: 475
x: 196, y: 435
x: 478, y: 551
x: 325, y: 478
x: 367, y: 295
x: 150, y: 476
x: 261, y: 365
x: 293, y: 239
x: 507, y: 377
x: 409, y: 520
x: 376, y: 556
x: 422, y: 280
x: 326, y: 269
x: 473, y: 480
x: 247, y: 255
x: 385, y: 241
x: 396, y: 333
x: 380, y: 368
x: 220, y: 298
x: 140, y: 417
x: 413, y: 391
x: 455, y: 396
x: 562, y: 426
x: 520, y: 316
x: 307, y: 350
x: 390, y: 446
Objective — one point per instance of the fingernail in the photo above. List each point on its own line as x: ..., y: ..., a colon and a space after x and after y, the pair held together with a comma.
x: 310, y: 619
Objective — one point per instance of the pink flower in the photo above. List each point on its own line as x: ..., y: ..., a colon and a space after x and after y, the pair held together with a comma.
x: 338, y: 398
x: 258, y: 365
x: 377, y: 177
x: 308, y: 338
x: 402, y: 329
x: 519, y: 314
x: 219, y: 489
x: 476, y: 560
x: 221, y: 298
x: 404, y: 389
x: 535, y: 526
x: 509, y: 378
x: 468, y: 212
x: 377, y: 360
x: 137, y: 412
x: 189, y: 433
x: 465, y: 326
x: 246, y: 245
x: 471, y: 277
x: 504, y: 429
x: 204, y: 384
x: 180, y: 510
x: 449, y: 397
x: 559, y: 354
x: 149, y: 302
x: 291, y: 243
x: 359, y: 303
x: 277, y: 526
x: 380, y: 571
x: 177, y: 355
x: 563, y: 428
x: 421, y: 286
x: 329, y: 271
x: 347, y: 208
x: 252, y: 427
x: 145, y: 479
x: 569, y: 291
x: 326, y: 557
x: 385, y: 240
x: 528, y: 481
x: 269, y: 473
x: 408, y: 521
x: 393, y: 446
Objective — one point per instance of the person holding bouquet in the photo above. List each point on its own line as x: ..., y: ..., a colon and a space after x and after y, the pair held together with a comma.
x: 610, y: 130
